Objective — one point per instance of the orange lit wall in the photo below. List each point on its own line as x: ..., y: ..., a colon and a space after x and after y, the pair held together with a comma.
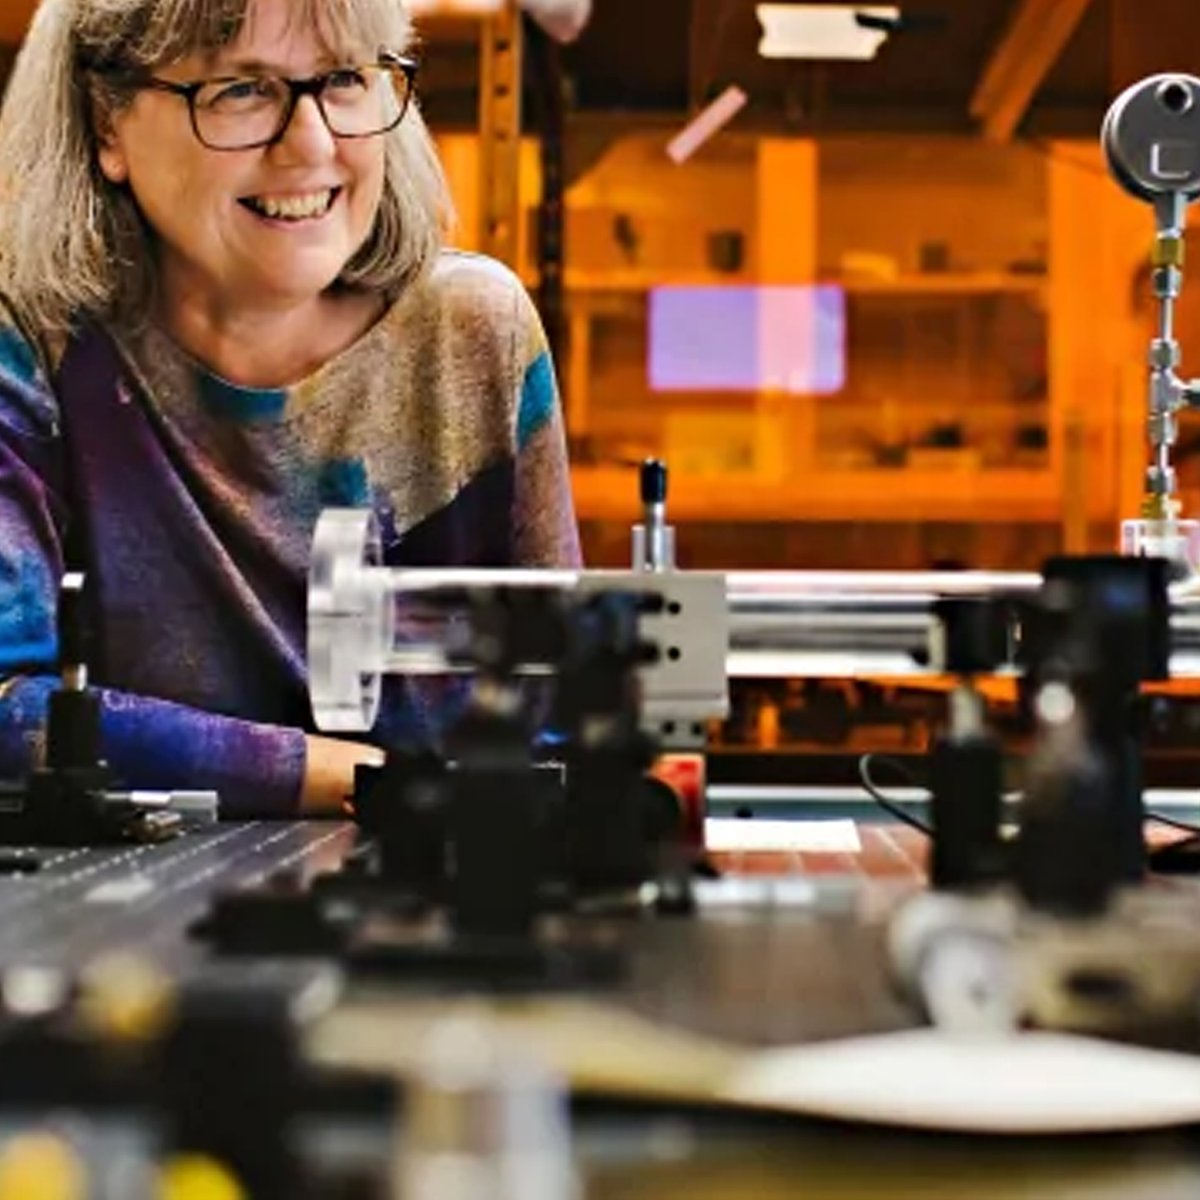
x: 991, y: 291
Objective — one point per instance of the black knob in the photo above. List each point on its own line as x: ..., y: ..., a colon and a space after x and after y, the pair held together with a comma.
x: 654, y: 481
x: 72, y: 621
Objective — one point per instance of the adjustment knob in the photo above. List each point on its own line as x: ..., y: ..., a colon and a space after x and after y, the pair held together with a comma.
x: 654, y: 481
x: 72, y: 621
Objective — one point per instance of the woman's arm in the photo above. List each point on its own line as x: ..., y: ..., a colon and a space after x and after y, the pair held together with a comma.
x: 259, y: 770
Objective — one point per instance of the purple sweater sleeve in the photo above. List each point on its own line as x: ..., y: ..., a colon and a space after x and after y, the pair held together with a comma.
x: 256, y: 769
x: 150, y: 743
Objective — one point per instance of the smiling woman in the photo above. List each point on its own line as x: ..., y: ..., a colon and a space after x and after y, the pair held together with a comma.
x: 225, y: 304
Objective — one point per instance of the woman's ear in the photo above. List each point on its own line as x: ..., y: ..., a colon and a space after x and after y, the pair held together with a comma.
x: 111, y: 156
x: 113, y: 165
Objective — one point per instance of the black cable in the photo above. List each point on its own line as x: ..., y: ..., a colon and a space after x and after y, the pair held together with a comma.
x: 1174, y: 823
x: 893, y: 808
x: 890, y: 806
x: 1180, y: 857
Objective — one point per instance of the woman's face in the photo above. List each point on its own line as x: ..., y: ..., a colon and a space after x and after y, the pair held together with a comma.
x: 219, y: 243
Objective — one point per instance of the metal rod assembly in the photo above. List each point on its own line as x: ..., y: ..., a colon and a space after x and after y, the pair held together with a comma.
x: 366, y: 621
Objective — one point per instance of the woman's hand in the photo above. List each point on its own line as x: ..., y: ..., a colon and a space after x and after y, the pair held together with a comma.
x: 329, y: 774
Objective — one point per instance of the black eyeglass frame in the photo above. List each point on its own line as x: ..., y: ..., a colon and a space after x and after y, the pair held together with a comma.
x: 314, y: 86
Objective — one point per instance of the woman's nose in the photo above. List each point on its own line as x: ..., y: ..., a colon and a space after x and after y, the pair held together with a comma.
x: 307, y: 134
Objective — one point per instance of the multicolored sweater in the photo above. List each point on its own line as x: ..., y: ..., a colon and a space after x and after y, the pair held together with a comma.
x: 192, y: 504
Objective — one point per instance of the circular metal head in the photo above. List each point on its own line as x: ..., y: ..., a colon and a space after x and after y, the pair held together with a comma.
x: 350, y: 619
x: 1151, y: 137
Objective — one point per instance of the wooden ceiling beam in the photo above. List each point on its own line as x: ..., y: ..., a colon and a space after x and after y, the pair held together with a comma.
x: 1025, y: 55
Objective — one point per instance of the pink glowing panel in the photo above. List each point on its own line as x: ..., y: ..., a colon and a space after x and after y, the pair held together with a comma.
x: 748, y: 339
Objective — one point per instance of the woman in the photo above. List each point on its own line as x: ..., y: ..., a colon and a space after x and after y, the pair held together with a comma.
x: 224, y: 306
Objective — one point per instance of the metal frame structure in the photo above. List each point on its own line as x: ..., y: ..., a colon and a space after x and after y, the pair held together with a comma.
x: 502, y: 51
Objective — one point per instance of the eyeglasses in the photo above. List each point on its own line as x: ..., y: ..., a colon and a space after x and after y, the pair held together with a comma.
x: 252, y: 112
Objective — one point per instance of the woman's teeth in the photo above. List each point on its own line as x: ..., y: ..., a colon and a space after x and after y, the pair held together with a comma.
x: 293, y: 208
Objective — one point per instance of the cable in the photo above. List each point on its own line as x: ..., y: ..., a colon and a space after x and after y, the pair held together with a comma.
x: 1180, y: 857
x: 1174, y: 823
x: 890, y: 806
x: 893, y: 808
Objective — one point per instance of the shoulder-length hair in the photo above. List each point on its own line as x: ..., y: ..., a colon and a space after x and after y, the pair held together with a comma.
x: 72, y: 243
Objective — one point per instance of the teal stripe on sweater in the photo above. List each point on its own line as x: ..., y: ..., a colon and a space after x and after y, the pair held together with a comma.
x: 538, y: 398
x: 17, y: 360
x: 224, y: 399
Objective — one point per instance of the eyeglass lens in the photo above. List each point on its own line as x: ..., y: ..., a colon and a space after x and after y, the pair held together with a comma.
x: 235, y: 114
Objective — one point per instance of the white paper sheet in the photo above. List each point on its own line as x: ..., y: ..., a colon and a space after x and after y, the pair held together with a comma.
x: 815, y: 837
x: 1026, y: 1083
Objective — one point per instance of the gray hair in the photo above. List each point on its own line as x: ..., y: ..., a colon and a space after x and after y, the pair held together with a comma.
x: 72, y: 243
